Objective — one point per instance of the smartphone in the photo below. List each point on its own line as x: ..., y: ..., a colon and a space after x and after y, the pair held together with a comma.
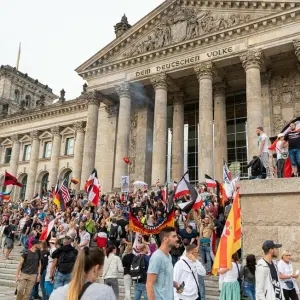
x: 181, y: 287
x: 297, y: 272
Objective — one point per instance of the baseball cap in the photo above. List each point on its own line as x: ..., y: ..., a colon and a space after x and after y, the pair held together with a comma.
x: 267, y: 245
x: 280, y: 135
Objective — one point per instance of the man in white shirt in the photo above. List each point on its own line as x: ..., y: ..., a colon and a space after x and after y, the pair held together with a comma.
x: 281, y: 152
x: 263, y: 151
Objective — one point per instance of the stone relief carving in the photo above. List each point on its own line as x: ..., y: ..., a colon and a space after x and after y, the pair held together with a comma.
x: 160, y: 80
x: 186, y: 24
x: 94, y: 97
x: 252, y: 58
x: 41, y: 102
x: 112, y: 110
x: 285, y: 95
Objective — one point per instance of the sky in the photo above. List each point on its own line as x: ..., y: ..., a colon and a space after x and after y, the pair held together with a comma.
x: 57, y: 36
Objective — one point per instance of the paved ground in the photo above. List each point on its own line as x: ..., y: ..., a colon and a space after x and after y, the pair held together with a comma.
x: 7, y: 293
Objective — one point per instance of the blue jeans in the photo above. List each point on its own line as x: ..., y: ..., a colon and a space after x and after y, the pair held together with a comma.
x: 49, y: 288
x: 294, y: 155
x: 35, y: 290
x: 25, y: 243
x: 42, y: 285
x: 139, y: 290
x: 61, y: 279
x: 205, y: 254
x: 249, y: 290
x: 201, y: 287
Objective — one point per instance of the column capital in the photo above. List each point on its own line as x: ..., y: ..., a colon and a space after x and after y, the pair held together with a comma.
x: 94, y: 97
x: 178, y: 97
x: 160, y: 81
x: 124, y: 89
x: 112, y: 110
x: 34, y: 134
x: 205, y: 70
x: 252, y: 59
x: 78, y: 126
x: 265, y: 77
x: 296, y: 43
x: 55, y: 130
x: 220, y: 88
x: 15, y: 138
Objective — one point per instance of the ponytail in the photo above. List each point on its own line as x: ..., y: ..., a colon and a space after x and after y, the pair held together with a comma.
x: 86, y: 260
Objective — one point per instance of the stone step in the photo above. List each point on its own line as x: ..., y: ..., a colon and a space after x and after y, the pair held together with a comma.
x: 7, y: 271
x: 4, y: 265
x: 9, y: 283
x: 9, y: 262
x: 7, y: 276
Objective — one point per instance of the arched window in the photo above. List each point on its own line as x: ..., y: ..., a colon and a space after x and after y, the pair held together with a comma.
x: 23, y: 188
x: 44, y: 184
x: 68, y: 176
x: 17, y: 95
x: 27, y: 101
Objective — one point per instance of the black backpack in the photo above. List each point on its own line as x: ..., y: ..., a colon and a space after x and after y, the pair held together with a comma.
x: 113, y: 232
x: 66, y: 261
x: 138, y: 269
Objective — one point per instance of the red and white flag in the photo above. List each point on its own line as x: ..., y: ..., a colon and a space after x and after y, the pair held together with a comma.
x: 182, y: 186
x: 93, y: 188
x: 46, y: 231
x: 210, y: 182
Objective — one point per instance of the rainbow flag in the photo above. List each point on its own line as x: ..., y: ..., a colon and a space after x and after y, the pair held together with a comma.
x: 231, y: 239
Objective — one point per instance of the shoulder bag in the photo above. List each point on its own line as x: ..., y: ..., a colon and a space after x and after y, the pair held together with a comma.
x: 199, y: 295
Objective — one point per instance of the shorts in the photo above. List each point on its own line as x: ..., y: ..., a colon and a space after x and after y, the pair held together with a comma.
x: 9, y: 243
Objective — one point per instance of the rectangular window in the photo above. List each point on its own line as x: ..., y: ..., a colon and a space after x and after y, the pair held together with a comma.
x: 7, y: 155
x: 27, y: 151
x: 47, y: 150
x: 69, y: 146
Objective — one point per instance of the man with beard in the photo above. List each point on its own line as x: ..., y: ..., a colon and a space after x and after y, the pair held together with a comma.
x: 160, y: 271
x: 263, y: 149
x: 266, y: 275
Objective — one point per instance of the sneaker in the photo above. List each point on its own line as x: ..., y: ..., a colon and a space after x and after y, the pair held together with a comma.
x: 37, y: 297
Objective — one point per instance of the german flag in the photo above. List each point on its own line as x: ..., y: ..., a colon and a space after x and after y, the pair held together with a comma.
x: 136, y: 226
x: 74, y: 180
x: 56, y: 195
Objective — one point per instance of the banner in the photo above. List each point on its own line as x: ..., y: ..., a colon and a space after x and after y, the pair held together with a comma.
x: 144, y: 229
x: 125, y: 184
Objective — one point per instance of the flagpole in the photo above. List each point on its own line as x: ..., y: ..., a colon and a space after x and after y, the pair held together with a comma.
x: 19, y: 57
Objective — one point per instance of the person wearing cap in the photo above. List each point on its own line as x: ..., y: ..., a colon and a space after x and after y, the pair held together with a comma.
x: 28, y: 271
x: 281, y: 153
x: 263, y: 151
x: 288, y: 277
x: 267, y: 279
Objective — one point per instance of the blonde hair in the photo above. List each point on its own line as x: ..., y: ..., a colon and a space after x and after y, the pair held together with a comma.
x: 86, y: 260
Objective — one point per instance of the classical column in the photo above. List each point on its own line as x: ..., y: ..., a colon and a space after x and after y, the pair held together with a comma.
x: 121, y: 169
x: 90, y: 140
x: 78, y: 152
x: 15, y: 154
x: 159, y: 150
x: 55, y: 152
x: 252, y: 61
x: 220, y: 131
x: 32, y: 168
x: 205, y: 72
x: 178, y: 136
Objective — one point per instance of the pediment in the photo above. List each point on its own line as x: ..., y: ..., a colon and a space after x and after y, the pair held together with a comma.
x: 181, y: 21
x: 7, y: 142
x: 25, y: 139
x: 68, y: 131
x: 46, y: 135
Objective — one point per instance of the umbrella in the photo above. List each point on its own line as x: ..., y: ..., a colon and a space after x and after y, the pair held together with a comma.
x: 139, y: 183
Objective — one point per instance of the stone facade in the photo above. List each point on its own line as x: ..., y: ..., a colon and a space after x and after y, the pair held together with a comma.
x: 141, y: 85
x: 270, y: 210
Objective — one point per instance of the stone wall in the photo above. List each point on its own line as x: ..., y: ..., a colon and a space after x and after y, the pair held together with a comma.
x: 285, y: 97
x: 270, y: 211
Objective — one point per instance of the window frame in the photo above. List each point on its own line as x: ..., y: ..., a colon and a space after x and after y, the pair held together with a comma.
x: 45, y: 148
x: 67, y: 145
x: 5, y: 155
x: 24, y: 153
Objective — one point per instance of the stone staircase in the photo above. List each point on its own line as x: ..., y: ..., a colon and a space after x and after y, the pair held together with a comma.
x: 8, y: 274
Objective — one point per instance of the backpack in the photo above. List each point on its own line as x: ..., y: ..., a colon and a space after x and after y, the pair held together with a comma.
x: 66, y: 261
x: 138, y: 269
x: 113, y: 232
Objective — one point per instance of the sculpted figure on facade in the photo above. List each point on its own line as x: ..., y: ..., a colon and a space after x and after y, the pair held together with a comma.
x: 187, y: 23
x: 41, y: 102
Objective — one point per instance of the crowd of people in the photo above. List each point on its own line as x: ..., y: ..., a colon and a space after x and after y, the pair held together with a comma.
x: 88, y: 242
